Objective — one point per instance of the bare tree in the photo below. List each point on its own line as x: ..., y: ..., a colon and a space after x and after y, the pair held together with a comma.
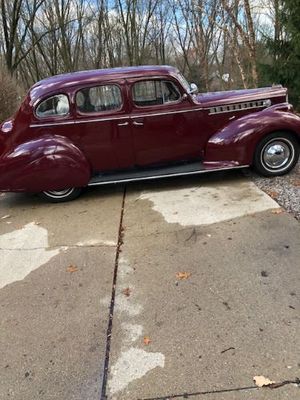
x: 239, y: 12
x: 17, y: 17
x: 214, y: 42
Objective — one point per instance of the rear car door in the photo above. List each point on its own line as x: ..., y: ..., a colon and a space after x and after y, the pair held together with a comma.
x: 103, y: 124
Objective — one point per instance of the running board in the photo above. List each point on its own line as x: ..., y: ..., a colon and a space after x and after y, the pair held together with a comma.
x: 157, y: 173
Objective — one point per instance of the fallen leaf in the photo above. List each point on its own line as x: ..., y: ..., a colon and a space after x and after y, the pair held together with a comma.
x: 183, y: 275
x: 126, y: 292
x: 261, y: 381
x: 147, y: 340
x: 277, y: 211
x: 5, y: 216
x: 72, y: 268
x: 273, y: 194
x: 296, y: 182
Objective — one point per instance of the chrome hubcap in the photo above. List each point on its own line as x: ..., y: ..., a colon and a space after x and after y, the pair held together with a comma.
x: 59, y: 193
x: 278, y: 154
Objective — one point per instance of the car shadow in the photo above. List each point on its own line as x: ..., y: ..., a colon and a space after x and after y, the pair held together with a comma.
x: 27, y: 200
x: 181, y: 182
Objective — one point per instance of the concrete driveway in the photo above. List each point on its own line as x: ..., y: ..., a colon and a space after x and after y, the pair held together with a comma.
x: 177, y: 289
x: 56, y: 273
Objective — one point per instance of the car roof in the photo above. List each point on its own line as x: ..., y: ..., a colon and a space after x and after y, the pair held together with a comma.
x: 64, y: 81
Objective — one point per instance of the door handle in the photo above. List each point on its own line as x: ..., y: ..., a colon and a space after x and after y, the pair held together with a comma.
x: 123, y: 124
x: 136, y: 123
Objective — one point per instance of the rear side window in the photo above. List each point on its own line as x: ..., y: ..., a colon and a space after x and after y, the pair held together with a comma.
x: 54, y: 105
x: 149, y: 93
x: 99, y: 98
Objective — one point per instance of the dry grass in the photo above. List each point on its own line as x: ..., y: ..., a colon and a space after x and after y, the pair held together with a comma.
x: 10, y: 95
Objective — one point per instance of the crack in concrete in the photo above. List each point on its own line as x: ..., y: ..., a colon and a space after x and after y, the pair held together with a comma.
x: 187, y: 395
x: 112, y: 302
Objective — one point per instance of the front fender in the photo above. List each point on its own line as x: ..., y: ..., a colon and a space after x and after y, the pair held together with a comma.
x: 50, y: 162
x: 237, y: 140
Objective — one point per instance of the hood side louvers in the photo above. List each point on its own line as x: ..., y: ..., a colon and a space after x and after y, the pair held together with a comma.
x: 240, y: 106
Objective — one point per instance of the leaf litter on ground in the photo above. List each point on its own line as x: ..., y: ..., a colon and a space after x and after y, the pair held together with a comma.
x: 126, y: 292
x: 72, y: 268
x: 146, y: 340
x: 183, y: 275
x: 277, y: 211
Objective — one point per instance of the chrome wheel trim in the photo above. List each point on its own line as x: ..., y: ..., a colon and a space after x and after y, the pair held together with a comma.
x: 59, y: 194
x: 277, y: 155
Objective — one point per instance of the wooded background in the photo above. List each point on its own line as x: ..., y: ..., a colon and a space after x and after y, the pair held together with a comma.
x: 218, y: 44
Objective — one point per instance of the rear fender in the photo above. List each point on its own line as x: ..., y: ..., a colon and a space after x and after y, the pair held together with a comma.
x: 237, y: 141
x: 50, y: 162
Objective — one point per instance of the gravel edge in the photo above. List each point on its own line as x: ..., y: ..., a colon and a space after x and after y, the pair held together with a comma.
x: 283, y: 189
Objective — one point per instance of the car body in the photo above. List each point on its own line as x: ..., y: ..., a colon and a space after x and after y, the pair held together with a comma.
x: 123, y: 124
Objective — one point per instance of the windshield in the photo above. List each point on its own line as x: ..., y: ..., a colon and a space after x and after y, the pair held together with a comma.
x: 184, y: 82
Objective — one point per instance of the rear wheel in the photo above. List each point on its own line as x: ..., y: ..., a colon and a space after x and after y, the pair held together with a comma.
x: 276, y: 154
x: 59, y: 196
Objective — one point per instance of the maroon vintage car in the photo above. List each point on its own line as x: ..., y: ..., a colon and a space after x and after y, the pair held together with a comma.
x: 125, y: 124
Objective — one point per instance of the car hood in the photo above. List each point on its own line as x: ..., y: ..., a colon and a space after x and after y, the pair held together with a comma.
x: 239, y: 96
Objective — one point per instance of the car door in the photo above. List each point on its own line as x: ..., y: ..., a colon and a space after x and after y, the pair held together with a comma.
x: 103, y: 125
x: 166, y: 124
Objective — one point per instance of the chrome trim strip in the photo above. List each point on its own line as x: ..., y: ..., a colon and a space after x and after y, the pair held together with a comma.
x: 165, y: 113
x: 75, y: 122
x: 101, y: 119
x: 146, y: 178
x: 52, y: 124
x: 127, y: 116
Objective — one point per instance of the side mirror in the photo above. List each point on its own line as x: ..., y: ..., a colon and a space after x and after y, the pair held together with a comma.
x: 193, y: 88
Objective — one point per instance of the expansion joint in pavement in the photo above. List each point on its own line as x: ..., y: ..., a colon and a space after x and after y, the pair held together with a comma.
x: 112, y: 301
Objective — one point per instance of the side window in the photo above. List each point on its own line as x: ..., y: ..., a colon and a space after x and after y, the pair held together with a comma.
x: 149, y: 93
x: 55, y: 105
x: 99, y: 98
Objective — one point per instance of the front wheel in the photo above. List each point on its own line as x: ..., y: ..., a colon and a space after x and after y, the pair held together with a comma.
x: 276, y: 154
x: 59, y: 196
